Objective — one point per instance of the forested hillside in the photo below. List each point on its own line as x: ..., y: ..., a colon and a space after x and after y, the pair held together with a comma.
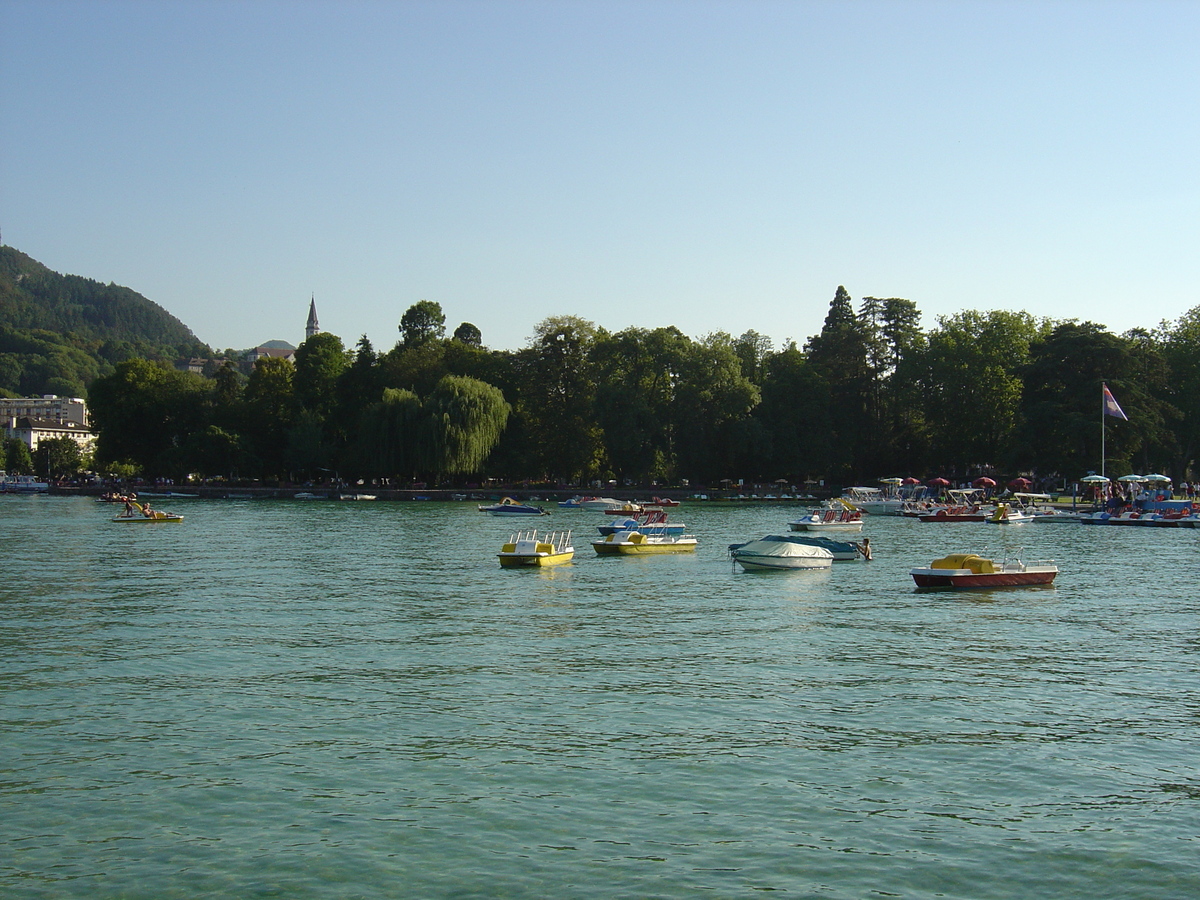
x: 58, y: 333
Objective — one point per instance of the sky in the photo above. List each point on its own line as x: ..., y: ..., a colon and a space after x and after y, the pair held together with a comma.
x: 715, y: 166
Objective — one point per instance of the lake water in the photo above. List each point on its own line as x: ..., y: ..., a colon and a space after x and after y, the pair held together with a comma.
x: 340, y: 700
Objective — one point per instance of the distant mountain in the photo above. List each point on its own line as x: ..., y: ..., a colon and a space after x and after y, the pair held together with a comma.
x: 59, y: 332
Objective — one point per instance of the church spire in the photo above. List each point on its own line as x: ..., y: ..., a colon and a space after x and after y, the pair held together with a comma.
x: 313, y: 327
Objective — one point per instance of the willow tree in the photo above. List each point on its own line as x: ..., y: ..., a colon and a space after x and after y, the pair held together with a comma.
x: 465, y: 419
x: 390, y: 432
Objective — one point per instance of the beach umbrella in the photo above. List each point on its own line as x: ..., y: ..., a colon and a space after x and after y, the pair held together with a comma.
x: 983, y: 482
x: 911, y: 480
x: 1023, y: 482
x: 938, y: 482
x: 1160, y: 478
x: 1131, y: 478
x: 891, y: 481
x: 1095, y: 479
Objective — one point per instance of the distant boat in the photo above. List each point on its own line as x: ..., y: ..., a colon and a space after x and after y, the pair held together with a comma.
x: 832, y: 516
x: 510, y: 507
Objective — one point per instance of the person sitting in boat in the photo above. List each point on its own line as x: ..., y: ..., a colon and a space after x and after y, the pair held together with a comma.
x: 864, y: 548
x: 147, y: 511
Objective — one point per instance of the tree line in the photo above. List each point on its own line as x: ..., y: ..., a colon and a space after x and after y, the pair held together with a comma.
x: 873, y: 394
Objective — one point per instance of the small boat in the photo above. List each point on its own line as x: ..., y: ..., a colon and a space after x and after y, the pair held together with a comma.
x: 652, y: 521
x: 625, y: 509
x: 1010, y: 515
x: 573, y: 503
x: 841, y: 550
x: 663, y: 502
x: 949, y: 514
x: 598, y: 503
x: 22, y: 484
x: 144, y: 514
x: 969, y: 570
x: 780, y: 551
x: 510, y: 507
x: 525, y: 549
x: 635, y: 543
x: 308, y: 495
x: 833, y: 516
x: 357, y: 497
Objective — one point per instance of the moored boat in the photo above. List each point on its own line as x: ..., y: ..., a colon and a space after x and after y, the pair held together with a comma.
x: 776, y: 552
x: 653, y: 521
x: 525, y: 549
x: 635, y: 543
x: 970, y: 570
x: 598, y: 503
x: 1005, y: 514
x: 955, y: 514
x: 510, y: 507
x: 833, y: 516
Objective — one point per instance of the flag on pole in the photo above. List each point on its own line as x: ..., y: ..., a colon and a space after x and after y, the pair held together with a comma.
x: 1111, y: 407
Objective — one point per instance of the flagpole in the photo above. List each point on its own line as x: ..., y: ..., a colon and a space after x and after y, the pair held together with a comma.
x: 1102, y: 455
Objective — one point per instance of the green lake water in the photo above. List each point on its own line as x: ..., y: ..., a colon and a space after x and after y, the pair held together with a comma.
x: 343, y: 700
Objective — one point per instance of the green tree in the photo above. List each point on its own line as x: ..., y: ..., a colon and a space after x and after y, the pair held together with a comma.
x: 793, y: 415
x: 840, y: 355
x: 636, y: 374
x: 973, y: 369
x: 711, y: 412
x: 58, y: 457
x: 268, y: 410
x: 1180, y: 341
x: 320, y: 362
x: 394, y: 435
x: 558, y: 397
x: 145, y: 413
x: 17, y: 458
x: 466, y: 333
x: 423, y: 321
x: 466, y: 418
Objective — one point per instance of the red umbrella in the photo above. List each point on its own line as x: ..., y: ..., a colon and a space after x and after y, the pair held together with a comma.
x: 983, y: 482
x: 1020, y: 482
x: 938, y: 482
x: 911, y: 480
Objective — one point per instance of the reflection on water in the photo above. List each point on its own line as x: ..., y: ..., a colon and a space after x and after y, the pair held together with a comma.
x: 330, y: 700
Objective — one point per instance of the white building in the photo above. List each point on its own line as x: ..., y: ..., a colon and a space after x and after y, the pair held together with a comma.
x: 32, y: 431
x: 49, y: 407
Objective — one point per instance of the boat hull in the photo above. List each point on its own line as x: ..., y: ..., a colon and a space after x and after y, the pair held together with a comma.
x: 810, y: 525
x: 754, y: 563
x: 647, y: 547
x: 148, y: 520
x: 965, y: 578
x: 534, y: 560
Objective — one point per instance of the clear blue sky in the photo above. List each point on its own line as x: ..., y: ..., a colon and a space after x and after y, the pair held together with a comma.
x: 715, y: 166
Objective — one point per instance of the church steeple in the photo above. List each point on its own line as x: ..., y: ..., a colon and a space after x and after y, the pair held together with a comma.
x: 313, y: 327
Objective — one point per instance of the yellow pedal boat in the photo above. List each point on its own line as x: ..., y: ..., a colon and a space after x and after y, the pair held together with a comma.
x: 525, y: 548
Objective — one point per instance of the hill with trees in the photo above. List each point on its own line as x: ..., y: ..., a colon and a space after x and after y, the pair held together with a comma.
x: 58, y: 333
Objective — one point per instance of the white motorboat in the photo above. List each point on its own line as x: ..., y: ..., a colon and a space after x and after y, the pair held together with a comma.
x: 780, y: 551
x: 833, y: 516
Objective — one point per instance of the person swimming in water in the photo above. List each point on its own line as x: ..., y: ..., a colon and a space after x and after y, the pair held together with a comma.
x: 864, y: 548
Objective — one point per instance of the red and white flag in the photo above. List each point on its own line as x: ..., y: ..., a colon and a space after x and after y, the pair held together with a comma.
x: 1111, y: 407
